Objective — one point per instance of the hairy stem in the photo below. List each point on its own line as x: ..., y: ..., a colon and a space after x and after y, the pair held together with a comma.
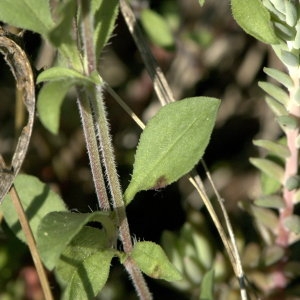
x: 92, y: 148
x: 96, y: 110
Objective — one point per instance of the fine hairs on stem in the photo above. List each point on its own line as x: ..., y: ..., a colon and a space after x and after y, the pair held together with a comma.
x: 97, y: 122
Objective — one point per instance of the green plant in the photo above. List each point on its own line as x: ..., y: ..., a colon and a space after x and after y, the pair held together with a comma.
x: 80, y: 254
x: 80, y: 247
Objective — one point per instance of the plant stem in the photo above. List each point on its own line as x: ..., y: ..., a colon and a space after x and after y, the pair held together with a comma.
x: 31, y: 243
x: 160, y: 84
x: 96, y: 110
x: 165, y: 96
x: 92, y: 147
x: 291, y: 163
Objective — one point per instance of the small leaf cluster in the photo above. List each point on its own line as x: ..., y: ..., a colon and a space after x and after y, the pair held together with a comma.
x: 277, y: 22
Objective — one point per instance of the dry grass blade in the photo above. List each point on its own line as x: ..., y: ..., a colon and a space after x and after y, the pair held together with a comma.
x: 20, y: 67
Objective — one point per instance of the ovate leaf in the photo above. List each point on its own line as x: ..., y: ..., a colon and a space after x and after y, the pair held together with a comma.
x: 207, y: 285
x: 37, y: 200
x: 84, y: 266
x: 172, y: 143
x: 66, y: 74
x: 255, y: 19
x: 160, y: 34
x: 28, y: 14
x: 152, y: 260
x: 49, y: 103
x: 57, y: 230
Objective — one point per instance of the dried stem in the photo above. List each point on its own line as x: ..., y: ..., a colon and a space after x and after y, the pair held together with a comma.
x: 165, y: 96
x: 31, y: 243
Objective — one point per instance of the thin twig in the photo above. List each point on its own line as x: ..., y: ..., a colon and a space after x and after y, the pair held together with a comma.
x: 160, y: 84
x: 31, y: 243
x: 239, y: 268
x: 165, y: 96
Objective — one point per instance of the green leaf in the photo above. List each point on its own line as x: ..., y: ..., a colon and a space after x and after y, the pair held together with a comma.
x: 276, y: 92
x: 269, y: 185
x: 287, y: 121
x: 105, y: 15
x: 172, y: 143
x: 37, y: 200
x: 28, y: 14
x: 265, y: 217
x: 57, y: 230
x: 160, y: 34
x: 49, y: 103
x: 293, y: 223
x: 277, y: 108
x: 291, y: 13
x: 270, y: 201
x: 152, y: 260
x: 293, y: 182
x: 280, y: 76
x: 274, y: 147
x: 289, y: 58
x: 61, y: 33
x: 254, y: 19
x: 66, y: 74
x: 84, y: 266
x: 272, y: 254
x: 269, y: 167
x: 201, y: 2
x: 207, y: 286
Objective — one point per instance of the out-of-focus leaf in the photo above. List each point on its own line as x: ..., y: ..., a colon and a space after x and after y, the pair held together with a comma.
x: 277, y: 108
x: 272, y: 254
x: 293, y: 183
x: 160, y: 33
x: 288, y: 121
x: 269, y: 167
x: 207, y: 286
x: 265, y: 217
x: 281, y: 77
x: 251, y: 255
x: 293, y: 223
x: 274, y: 147
x: 276, y: 92
x: 270, y: 201
x: 61, y: 33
